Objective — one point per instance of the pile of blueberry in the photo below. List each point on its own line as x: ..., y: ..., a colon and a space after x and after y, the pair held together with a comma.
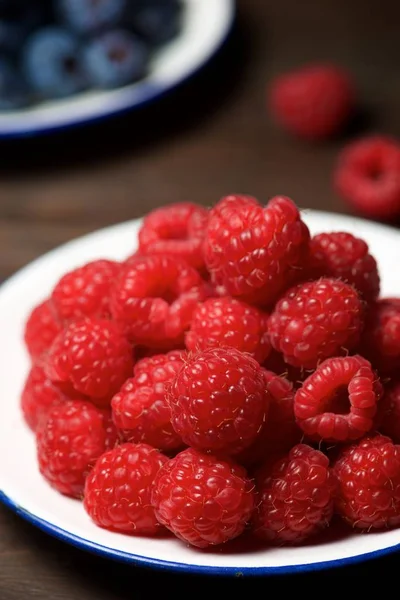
x: 56, y: 48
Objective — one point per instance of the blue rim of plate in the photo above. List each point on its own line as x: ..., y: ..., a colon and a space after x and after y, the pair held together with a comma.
x: 165, y: 565
x: 145, y: 94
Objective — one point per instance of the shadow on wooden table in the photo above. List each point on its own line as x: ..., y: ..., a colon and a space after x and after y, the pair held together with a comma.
x: 187, y: 107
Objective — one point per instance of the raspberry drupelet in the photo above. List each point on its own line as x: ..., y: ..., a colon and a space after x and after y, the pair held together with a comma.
x: 229, y: 322
x: 344, y: 256
x: 177, y: 230
x: 367, y: 175
x: 255, y: 252
x: 154, y: 298
x: 69, y: 439
x: 140, y: 409
x: 380, y: 342
x: 295, y: 497
x: 339, y: 401
x: 41, y: 328
x: 316, y: 320
x: 204, y: 500
x: 118, y: 490
x: 85, y: 291
x: 219, y: 401
x: 368, y: 476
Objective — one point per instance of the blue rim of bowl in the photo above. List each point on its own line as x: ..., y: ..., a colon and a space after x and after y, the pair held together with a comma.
x: 145, y: 94
x: 165, y: 565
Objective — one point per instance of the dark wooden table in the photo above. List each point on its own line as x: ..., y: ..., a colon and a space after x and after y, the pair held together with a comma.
x: 209, y: 138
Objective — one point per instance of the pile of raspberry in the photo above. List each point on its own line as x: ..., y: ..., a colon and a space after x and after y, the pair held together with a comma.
x: 233, y: 376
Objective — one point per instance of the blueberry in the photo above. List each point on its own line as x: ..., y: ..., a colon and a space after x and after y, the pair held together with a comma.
x: 13, y: 91
x: 90, y: 16
x: 51, y: 63
x: 157, y: 21
x: 115, y: 58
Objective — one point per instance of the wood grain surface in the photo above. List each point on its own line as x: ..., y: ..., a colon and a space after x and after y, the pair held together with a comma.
x: 209, y: 138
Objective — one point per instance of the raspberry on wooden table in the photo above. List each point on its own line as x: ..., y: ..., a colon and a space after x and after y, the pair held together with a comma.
x: 93, y: 356
x: 85, y: 292
x: 140, y: 409
x: 41, y: 328
x: 177, y: 230
x: 295, y: 496
x: 280, y: 432
x: 69, y: 439
x: 202, y: 499
x: 255, y: 252
x: 346, y: 257
x: 316, y: 320
x: 313, y: 102
x: 38, y: 396
x: 339, y: 401
x: 229, y: 322
x: 154, y: 298
x: 368, y: 475
x: 118, y: 490
x: 367, y: 175
x: 219, y: 401
x: 380, y: 342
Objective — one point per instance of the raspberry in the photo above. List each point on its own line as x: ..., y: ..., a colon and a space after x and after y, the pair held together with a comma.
x: 252, y: 251
x: 367, y: 175
x: 93, y: 356
x: 41, y: 328
x: 177, y: 230
x: 219, y: 401
x: 368, y: 475
x: 313, y: 102
x: 296, y: 497
x: 316, y: 320
x: 338, y: 402
x: 229, y: 322
x: 381, y: 340
x: 69, y: 441
x: 84, y: 292
x: 202, y: 499
x: 140, y: 409
x: 38, y: 396
x: 280, y: 431
x: 118, y: 489
x: 346, y: 257
x: 154, y: 297
x: 390, y: 421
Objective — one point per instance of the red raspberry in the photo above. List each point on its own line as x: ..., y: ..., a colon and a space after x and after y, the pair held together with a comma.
x: 69, y: 441
x: 280, y: 431
x: 313, y: 102
x: 154, y: 297
x: 41, y: 328
x: 390, y: 422
x: 381, y: 340
x: 338, y: 402
x: 252, y: 251
x: 296, y: 497
x: 202, y: 499
x: 177, y: 230
x: 229, y: 322
x: 140, y: 409
x: 93, y: 356
x: 367, y: 175
x: 346, y: 257
x: 38, y: 396
x: 219, y: 400
x: 316, y: 320
x: 118, y: 489
x: 85, y: 292
x: 368, y: 475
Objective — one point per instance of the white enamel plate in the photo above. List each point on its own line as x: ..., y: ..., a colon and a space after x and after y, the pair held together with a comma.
x: 23, y: 489
x: 206, y: 25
